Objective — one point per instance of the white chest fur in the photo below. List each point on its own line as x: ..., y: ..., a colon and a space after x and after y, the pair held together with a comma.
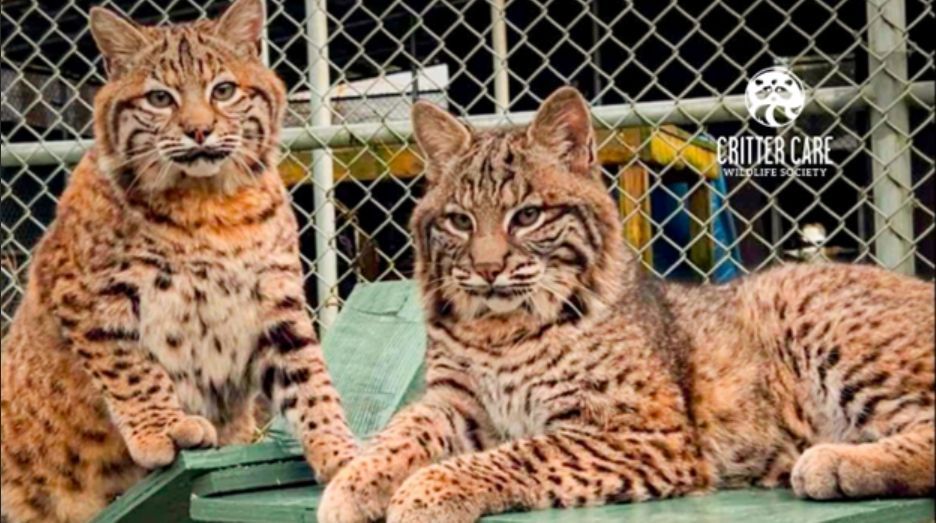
x: 201, y: 320
x: 508, y: 409
x: 528, y: 387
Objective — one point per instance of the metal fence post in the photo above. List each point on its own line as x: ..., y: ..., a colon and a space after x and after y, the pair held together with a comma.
x: 499, y: 44
x: 265, y: 46
x: 890, y: 135
x: 326, y: 265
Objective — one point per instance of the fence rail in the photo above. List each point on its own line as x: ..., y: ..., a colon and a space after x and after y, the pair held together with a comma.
x: 666, y: 80
x: 711, y: 110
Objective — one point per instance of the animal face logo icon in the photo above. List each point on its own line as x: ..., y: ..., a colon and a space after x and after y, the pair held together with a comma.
x: 774, y: 97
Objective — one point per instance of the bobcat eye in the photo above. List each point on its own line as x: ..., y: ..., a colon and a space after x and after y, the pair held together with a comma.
x: 460, y: 221
x: 526, y: 216
x: 223, y: 91
x: 159, y: 98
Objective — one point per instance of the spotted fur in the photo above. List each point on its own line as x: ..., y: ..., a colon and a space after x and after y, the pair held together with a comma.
x: 168, y: 292
x: 559, y: 375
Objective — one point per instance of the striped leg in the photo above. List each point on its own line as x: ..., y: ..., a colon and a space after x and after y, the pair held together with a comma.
x: 139, y: 394
x: 294, y: 377
x: 441, y: 424
x: 568, y: 468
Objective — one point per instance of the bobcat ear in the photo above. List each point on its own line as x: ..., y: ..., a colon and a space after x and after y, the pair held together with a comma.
x: 117, y: 38
x: 439, y: 134
x: 563, y: 126
x: 241, y: 25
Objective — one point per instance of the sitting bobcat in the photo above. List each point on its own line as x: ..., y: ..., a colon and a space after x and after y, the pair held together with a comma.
x: 168, y: 291
x: 559, y: 376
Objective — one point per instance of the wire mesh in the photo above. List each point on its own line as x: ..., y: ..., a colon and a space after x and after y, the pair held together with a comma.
x: 666, y: 80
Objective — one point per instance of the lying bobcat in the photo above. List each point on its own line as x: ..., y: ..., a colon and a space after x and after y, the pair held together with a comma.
x: 559, y: 376
x: 168, y: 291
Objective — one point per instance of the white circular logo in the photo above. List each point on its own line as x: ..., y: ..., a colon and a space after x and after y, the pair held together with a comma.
x: 774, y: 97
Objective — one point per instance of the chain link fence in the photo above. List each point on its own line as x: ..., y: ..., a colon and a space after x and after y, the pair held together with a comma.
x: 666, y: 80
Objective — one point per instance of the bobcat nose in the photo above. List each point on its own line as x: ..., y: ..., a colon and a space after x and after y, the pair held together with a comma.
x: 489, y: 270
x: 198, y: 133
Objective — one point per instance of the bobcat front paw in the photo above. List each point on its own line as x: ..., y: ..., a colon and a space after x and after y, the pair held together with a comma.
x: 193, y: 432
x: 830, y: 471
x: 415, y: 511
x: 359, y: 493
x: 430, y: 495
x: 157, y: 446
x: 327, y: 458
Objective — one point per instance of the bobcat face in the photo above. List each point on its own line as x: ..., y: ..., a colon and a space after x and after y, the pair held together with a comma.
x: 499, y: 251
x: 513, y: 223
x: 195, y: 128
x: 186, y: 105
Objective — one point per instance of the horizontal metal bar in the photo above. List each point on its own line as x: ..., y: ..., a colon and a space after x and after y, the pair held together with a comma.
x: 43, y: 153
x: 690, y: 111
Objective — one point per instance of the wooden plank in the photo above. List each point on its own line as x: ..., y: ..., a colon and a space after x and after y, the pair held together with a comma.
x: 375, y: 352
x: 161, y: 496
x: 664, y: 146
x: 634, y: 203
x: 741, y: 506
x: 164, y: 494
x: 291, y: 505
x: 672, y: 147
x: 365, y: 163
x: 701, y: 247
x: 251, y: 477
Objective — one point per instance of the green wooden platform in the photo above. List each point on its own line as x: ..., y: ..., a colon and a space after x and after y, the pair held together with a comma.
x: 298, y: 504
x: 375, y: 352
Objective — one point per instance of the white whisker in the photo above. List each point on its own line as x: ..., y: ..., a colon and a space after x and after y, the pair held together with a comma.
x: 565, y: 301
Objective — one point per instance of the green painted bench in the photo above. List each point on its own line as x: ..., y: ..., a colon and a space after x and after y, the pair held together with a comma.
x: 375, y: 351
